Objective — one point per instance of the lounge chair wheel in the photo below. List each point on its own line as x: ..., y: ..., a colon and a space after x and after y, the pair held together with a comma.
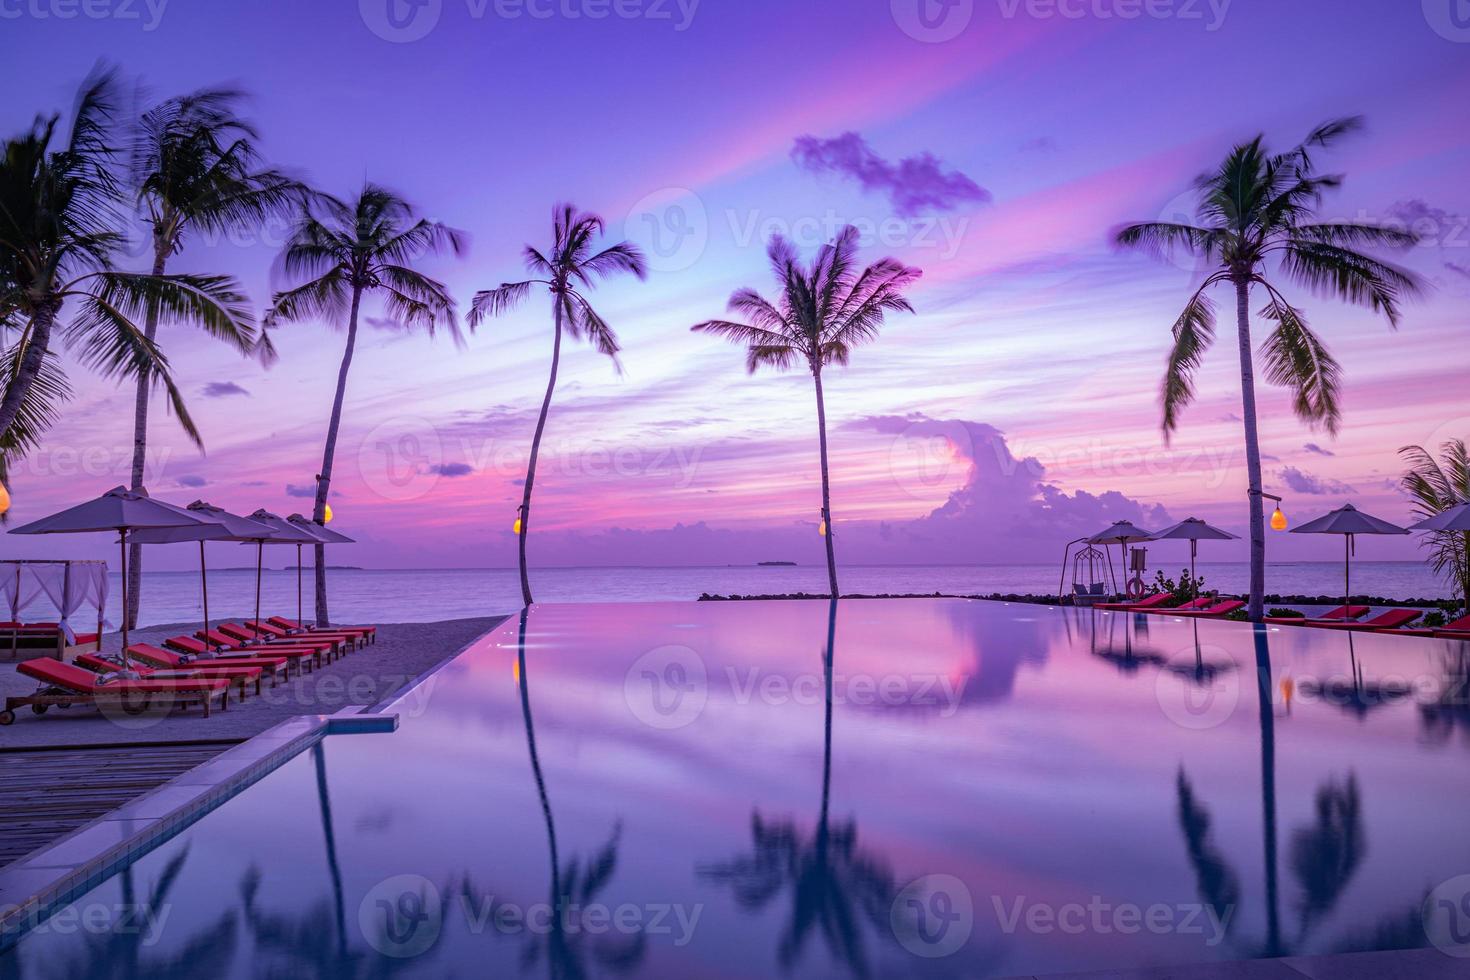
x: 7, y: 717
x: 40, y: 709
x: 135, y: 707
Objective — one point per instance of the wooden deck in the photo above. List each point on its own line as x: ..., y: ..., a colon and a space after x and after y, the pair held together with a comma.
x: 47, y: 793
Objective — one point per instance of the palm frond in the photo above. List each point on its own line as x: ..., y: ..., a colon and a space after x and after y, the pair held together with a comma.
x: 1296, y: 359
x: 1342, y: 273
x: 493, y: 302
x: 1194, y: 332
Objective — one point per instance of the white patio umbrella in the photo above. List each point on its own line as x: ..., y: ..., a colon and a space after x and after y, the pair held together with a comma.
x: 1350, y: 522
x: 224, y: 526
x: 1122, y: 534
x: 1194, y: 530
x: 284, y: 533
x: 321, y: 533
x: 121, y: 510
x: 1457, y: 518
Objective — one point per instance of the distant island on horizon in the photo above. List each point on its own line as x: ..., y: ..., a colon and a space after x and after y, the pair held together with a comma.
x: 772, y: 564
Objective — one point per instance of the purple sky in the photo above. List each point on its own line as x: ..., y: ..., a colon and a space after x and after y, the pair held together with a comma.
x: 994, y: 144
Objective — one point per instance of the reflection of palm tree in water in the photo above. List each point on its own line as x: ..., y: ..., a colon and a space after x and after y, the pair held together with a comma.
x: 1323, y: 857
x: 1451, y: 709
x: 119, y: 951
x: 572, y: 887
x: 834, y: 885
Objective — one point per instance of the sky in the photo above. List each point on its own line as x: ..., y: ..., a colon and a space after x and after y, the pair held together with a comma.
x: 995, y: 144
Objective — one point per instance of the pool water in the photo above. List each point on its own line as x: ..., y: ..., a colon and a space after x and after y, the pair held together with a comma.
x: 880, y: 787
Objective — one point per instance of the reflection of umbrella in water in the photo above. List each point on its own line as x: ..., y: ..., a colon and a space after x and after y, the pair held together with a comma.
x: 1128, y: 660
x: 1353, y: 694
x: 120, y: 510
x: 1350, y: 522
x: 1201, y: 672
x: 1194, y: 530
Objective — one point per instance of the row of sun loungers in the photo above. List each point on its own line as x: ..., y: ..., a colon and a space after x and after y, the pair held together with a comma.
x: 1344, y: 618
x: 203, y: 669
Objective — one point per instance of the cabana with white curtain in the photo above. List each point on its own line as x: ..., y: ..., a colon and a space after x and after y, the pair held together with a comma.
x: 68, y: 586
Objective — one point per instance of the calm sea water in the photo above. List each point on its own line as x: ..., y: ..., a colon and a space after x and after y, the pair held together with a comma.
x: 399, y: 596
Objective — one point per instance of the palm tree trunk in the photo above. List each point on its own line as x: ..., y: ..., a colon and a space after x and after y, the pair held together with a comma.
x: 30, y: 364
x: 140, y: 445
x: 525, y: 514
x: 324, y: 479
x: 826, y: 482
x: 1257, y: 605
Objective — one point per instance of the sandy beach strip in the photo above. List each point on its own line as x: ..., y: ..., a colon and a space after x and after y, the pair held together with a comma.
x: 364, y: 677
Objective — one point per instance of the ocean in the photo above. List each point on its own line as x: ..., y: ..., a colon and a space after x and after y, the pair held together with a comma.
x: 428, y: 595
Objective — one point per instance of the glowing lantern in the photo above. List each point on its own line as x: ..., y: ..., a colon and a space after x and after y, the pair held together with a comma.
x: 4, y: 499
x: 822, y: 529
x: 327, y: 513
x: 516, y: 527
x: 1278, y: 520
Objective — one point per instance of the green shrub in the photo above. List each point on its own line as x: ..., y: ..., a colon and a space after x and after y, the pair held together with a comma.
x: 1434, y: 620
x: 1281, y: 613
x: 1239, y: 616
x: 1185, y: 590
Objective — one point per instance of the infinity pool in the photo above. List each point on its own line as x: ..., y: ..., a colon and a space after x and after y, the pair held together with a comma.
x: 887, y: 788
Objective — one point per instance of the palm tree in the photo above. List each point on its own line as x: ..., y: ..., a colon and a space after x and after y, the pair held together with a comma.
x: 343, y: 250
x: 196, y: 167
x: 825, y: 310
x: 1438, y: 485
x: 60, y: 233
x: 571, y: 267
x: 1255, y: 227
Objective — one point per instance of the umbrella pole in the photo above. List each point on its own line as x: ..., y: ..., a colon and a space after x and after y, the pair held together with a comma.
x: 1347, y: 569
x: 259, y: 557
x: 298, y: 582
x: 1193, y: 553
x: 204, y: 587
x: 122, y: 540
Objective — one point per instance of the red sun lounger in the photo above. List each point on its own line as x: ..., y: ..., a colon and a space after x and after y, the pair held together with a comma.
x: 1156, y: 599
x: 240, y: 678
x: 68, y: 684
x: 272, y: 667
x: 370, y: 633
x: 1341, y: 614
x: 349, y: 639
x: 187, y: 645
x: 246, y: 638
x: 1387, y: 622
x: 224, y: 642
x: 1224, y: 608
x: 1457, y: 629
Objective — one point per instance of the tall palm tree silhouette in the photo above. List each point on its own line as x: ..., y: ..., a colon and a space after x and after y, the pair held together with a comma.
x: 835, y: 886
x: 571, y: 267
x: 346, y: 250
x: 824, y: 311
x: 196, y: 169
x: 1255, y: 213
